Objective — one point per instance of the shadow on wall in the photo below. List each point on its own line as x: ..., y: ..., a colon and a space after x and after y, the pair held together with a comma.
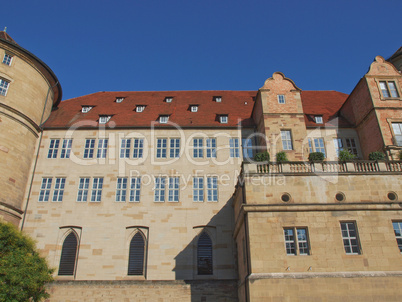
x: 208, y: 262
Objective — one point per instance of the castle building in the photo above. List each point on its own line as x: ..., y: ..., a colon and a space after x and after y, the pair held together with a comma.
x: 155, y: 196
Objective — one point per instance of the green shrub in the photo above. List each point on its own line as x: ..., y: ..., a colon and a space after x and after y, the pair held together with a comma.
x: 23, y: 272
x: 377, y: 155
x: 400, y: 155
x: 345, y: 155
x: 281, y: 157
x: 262, y: 156
x: 316, y: 156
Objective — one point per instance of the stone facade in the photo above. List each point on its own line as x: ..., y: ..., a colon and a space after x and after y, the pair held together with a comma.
x: 32, y: 91
x: 210, y: 223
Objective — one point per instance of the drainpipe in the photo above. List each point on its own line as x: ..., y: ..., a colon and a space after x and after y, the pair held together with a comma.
x: 37, y: 154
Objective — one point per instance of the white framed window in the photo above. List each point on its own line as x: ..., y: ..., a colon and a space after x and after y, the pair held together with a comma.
x: 317, y: 145
x: 296, y: 241
x: 211, y: 147
x: 234, y: 147
x: 4, y: 87
x: 194, y: 108
x: 159, y: 194
x: 7, y: 59
x: 121, y: 189
x: 125, y: 148
x: 53, y: 148
x: 338, y: 143
x: 397, y: 225
x: 83, y: 188
x: 212, y: 188
x: 281, y: 99
x: 223, y: 119
x: 86, y: 109
x: 89, y: 148
x: 397, y: 129
x: 103, y: 119
x: 168, y: 99
x: 135, y: 189
x: 350, y: 238
x: 97, y: 186
x: 161, y: 147
x: 138, y: 147
x: 198, y: 189
x: 247, y: 148
x: 174, y: 147
x: 140, y: 108
x: 286, y: 137
x: 119, y: 100
x: 173, y: 191
x: 102, y: 148
x: 318, y: 119
x: 66, y: 148
x: 218, y: 99
x: 388, y: 89
x: 198, y: 148
x: 163, y: 119
x: 45, y: 189
x: 58, y: 192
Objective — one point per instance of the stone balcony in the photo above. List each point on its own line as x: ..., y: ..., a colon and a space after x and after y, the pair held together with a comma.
x: 324, y: 167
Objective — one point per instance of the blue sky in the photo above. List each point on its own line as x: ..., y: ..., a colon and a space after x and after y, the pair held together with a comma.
x: 204, y: 45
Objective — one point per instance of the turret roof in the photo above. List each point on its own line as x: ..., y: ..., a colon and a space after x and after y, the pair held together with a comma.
x: 6, y: 36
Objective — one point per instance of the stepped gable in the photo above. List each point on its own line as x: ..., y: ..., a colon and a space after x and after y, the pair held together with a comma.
x: 238, y: 105
x: 325, y: 103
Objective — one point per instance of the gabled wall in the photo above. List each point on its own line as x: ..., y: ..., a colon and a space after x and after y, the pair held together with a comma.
x: 287, y: 116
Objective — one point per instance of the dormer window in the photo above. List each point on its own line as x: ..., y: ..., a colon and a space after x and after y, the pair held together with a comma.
x: 119, y: 100
x: 223, y: 119
x: 281, y: 99
x: 139, y: 108
x: 86, y: 109
x: 163, y: 119
x: 103, y: 119
x: 194, y: 108
x: 168, y: 99
x: 218, y: 99
x: 318, y: 119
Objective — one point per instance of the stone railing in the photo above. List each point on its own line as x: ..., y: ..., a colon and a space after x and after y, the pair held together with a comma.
x: 300, y: 167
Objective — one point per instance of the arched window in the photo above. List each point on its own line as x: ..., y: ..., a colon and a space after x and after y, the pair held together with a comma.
x: 136, y: 258
x: 68, y: 255
x: 204, y: 255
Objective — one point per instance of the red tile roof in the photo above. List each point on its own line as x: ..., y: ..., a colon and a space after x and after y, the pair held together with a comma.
x: 238, y: 105
x: 326, y: 104
x: 6, y: 36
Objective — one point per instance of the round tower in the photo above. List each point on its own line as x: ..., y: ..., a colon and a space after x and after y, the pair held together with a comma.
x: 28, y: 91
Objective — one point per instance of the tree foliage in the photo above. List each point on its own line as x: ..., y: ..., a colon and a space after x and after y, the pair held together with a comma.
x: 23, y: 272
